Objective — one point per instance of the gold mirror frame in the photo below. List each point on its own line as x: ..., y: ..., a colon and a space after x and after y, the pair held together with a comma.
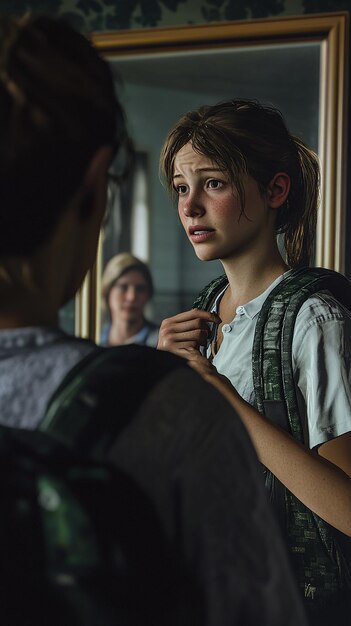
x: 331, y: 30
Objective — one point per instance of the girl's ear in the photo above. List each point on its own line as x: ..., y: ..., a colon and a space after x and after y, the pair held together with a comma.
x: 278, y: 190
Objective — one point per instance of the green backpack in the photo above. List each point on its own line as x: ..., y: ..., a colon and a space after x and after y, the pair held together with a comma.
x: 317, y: 550
x: 71, y: 548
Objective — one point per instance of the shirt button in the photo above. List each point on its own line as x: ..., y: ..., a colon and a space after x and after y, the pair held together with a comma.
x: 240, y: 310
x: 226, y: 328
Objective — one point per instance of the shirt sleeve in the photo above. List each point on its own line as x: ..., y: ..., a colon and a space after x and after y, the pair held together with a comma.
x: 322, y: 367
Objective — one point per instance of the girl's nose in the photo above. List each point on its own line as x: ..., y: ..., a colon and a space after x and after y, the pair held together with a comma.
x: 192, y: 206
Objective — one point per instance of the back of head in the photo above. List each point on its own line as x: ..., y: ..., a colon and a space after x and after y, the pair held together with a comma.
x: 245, y: 137
x: 57, y: 108
x: 119, y: 265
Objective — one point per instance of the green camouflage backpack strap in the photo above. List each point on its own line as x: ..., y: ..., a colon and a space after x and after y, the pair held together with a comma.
x: 322, y: 571
x: 208, y: 294
x: 101, y: 393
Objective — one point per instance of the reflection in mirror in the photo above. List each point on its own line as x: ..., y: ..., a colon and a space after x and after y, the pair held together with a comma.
x: 296, y: 64
x: 126, y: 227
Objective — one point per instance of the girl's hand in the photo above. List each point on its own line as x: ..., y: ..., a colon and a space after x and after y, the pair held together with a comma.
x: 184, y: 333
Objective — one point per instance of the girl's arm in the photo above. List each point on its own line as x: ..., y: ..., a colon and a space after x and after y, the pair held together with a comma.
x: 322, y: 481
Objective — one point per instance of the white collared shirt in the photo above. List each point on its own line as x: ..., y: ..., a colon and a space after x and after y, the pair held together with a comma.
x: 321, y: 353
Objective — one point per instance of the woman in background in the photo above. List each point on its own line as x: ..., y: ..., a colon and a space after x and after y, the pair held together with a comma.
x: 126, y: 289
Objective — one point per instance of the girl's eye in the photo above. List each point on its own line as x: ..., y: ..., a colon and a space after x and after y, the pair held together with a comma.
x: 215, y: 184
x: 181, y: 189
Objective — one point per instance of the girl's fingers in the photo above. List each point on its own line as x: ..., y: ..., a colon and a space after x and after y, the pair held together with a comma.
x: 190, y: 328
x: 189, y: 317
x: 178, y: 341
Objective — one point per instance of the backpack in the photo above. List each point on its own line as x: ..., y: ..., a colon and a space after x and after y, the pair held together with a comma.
x: 72, y: 550
x: 316, y: 549
x: 122, y: 509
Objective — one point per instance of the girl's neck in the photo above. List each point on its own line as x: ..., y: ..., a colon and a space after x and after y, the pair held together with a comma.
x: 21, y: 308
x: 249, y: 278
x: 15, y: 317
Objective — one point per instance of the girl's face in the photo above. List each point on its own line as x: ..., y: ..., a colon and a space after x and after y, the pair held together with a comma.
x: 210, y: 211
x: 128, y: 296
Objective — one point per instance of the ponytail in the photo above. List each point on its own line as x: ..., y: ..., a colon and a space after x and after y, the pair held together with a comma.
x: 302, y: 207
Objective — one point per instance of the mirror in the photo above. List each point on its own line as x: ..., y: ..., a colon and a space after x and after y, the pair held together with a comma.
x: 297, y: 64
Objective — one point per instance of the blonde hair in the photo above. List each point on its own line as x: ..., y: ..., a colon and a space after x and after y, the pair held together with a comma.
x: 119, y: 265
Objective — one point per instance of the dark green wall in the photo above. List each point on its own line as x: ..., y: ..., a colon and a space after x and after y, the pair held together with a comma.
x: 92, y: 15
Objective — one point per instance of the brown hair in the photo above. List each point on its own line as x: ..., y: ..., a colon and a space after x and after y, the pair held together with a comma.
x: 119, y: 265
x: 57, y: 107
x: 247, y: 137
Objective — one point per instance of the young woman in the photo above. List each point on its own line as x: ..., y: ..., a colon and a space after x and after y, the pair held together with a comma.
x: 126, y: 289
x: 164, y: 550
x: 241, y: 178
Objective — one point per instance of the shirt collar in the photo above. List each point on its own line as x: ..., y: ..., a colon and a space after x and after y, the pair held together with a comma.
x: 252, y: 308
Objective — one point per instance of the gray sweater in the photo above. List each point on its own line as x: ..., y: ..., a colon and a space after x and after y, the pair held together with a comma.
x: 33, y: 362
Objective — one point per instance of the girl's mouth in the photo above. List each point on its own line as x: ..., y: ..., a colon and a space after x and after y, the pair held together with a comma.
x: 200, y: 235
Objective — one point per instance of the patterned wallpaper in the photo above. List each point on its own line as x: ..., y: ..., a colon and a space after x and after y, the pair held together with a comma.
x: 93, y: 15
